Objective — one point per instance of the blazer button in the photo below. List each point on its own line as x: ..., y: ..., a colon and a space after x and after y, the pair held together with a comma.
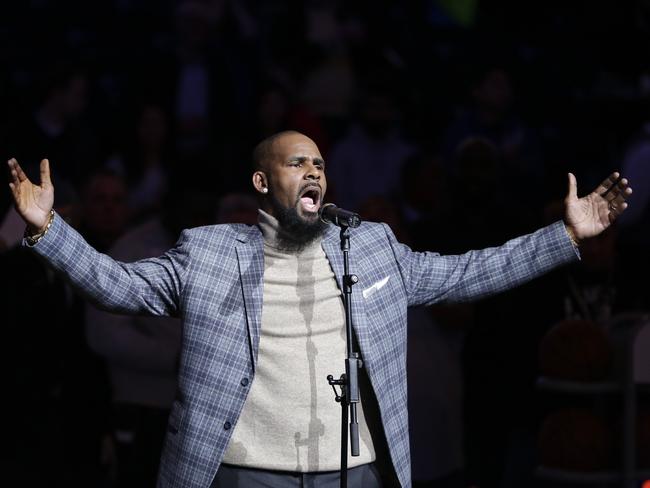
x: 244, y: 381
x: 227, y: 425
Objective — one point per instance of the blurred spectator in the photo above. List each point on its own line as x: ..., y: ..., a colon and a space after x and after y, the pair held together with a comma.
x: 142, y: 353
x: 478, y: 206
x: 482, y: 214
x: 105, y: 211
x: 272, y: 110
x: 597, y: 288
x: 237, y: 208
x: 209, y: 79
x: 590, y: 291
x: 500, y: 355
x: 278, y: 111
x: 186, y: 206
x: 12, y: 228
x: 424, y: 187
x: 491, y: 115
x: 381, y: 209
x: 634, y: 226
x: 328, y: 91
x: 369, y: 159
x: 60, y: 420
x: 328, y: 88
x: 57, y: 128
x: 636, y: 167
x: 425, y: 198
x: 146, y: 160
x: 197, y: 86
x: 434, y: 368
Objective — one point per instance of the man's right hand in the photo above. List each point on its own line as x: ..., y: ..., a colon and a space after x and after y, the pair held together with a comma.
x: 33, y: 202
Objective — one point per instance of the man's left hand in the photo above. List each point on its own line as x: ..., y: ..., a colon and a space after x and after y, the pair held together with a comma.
x: 590, y: 215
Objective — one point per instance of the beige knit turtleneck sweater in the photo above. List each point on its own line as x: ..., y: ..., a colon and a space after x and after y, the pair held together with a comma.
x: 290, y: 420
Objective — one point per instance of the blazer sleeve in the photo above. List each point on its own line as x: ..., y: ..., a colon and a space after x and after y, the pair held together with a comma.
x: 151, y: 286
x: 430, y: 278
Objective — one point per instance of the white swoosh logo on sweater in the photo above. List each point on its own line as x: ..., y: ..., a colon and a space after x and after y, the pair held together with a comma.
x: 375, y: 287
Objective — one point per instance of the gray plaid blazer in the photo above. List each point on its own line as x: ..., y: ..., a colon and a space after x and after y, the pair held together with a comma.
x: 213, y: 280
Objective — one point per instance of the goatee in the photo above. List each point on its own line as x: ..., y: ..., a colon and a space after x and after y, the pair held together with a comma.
x: 296, y: 233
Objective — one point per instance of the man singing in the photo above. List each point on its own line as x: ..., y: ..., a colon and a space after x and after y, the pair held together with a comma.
x: 264, y: 323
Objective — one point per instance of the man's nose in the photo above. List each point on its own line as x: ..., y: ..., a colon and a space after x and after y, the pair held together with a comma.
x: 312, y: 173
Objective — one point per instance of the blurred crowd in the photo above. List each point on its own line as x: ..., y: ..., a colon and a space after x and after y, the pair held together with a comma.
x: 455, y: 122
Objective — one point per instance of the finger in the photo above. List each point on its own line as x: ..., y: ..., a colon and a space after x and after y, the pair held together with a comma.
x: 618, y: 190
x: 17, y: 171
x: 45, y: 172
x: 14, y: 177
x: 620, y: 185
x: 573, y: 187
x: 15, y: 191
x: 624, y: 187
x: 621, y: 196
x: 12, y: 170
x: 610, y: 182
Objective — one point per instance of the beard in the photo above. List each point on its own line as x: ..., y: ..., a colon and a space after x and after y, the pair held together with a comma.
x: 296, y: 232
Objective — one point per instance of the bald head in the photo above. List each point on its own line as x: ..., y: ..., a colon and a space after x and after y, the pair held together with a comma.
x: 263, y: 152
x: 286, y: 165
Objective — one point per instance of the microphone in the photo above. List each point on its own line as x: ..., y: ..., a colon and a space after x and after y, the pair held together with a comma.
x: 331, y: 214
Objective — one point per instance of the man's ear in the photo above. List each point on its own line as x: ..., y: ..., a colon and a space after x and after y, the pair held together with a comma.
x: 260, y: 182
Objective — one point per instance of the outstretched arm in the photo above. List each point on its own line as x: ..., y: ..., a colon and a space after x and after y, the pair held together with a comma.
x: 150, y: 286
x: 431, y: 278
x: 590, y: 215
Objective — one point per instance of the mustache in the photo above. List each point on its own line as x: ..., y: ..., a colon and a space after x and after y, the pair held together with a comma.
x: 308, y: 186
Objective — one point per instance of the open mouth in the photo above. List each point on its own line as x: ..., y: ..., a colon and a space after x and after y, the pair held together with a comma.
x: 310, y: 198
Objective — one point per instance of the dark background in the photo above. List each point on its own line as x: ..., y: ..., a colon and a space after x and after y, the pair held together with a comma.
x: 478, y: 110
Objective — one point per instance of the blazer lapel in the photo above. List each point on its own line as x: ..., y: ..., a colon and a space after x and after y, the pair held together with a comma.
x: 250, y: 257
x: 332, y: 248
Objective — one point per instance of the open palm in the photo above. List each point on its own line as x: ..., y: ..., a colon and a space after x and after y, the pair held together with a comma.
x: 33, y: 202
x: 590, y: 215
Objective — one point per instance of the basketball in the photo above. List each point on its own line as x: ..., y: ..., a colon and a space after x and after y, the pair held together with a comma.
x: 576, y: 439
x: 577, y: 350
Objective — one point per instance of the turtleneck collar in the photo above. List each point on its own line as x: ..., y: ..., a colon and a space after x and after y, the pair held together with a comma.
x: 270, y: 227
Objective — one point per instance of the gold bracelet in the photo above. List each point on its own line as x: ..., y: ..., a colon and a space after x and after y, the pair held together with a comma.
x: 33, y: 239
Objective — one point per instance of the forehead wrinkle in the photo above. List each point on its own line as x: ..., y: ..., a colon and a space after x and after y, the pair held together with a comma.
x: 302, y: 159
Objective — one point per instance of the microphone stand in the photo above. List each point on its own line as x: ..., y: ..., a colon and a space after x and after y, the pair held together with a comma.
x: 349, y: 381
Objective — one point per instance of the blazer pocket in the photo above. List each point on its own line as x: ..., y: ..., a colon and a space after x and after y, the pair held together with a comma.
x: 375, y: 287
